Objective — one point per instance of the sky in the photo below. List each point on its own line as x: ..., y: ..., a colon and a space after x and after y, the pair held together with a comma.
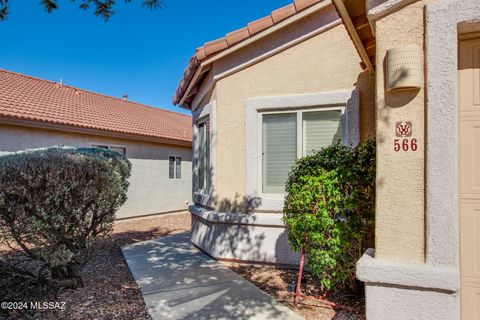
x: 137, y: 52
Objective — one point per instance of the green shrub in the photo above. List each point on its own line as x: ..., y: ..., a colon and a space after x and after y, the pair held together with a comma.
x: 54, y: 202
x: 330, y: 208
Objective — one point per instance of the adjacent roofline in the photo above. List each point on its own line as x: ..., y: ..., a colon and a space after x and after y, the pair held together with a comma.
x: 18, y: 108
x: 91, y: 92
x: 218, y: 49
x: 14, y: 121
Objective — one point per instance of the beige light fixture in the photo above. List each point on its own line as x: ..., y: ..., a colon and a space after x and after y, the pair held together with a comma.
x: 404, y: 68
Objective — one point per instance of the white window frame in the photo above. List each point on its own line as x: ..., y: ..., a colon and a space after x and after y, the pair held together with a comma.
x: 96, y: 145
x: 346, y: 100
x: 175, y: 174
x: 200, y: 115
x: 300, y: 137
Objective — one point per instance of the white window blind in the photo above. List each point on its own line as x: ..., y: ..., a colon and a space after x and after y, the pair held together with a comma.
x: 203, y: 183
x: 279, y: 150
x: 171, y: 167
x: 321, y: 129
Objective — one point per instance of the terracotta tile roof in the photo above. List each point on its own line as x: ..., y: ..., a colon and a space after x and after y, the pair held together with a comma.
x: 27, y: 98
x: 214, y: 47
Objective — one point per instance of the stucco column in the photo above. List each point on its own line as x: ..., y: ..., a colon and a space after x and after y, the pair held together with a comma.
x: 406, y: 276
x: 400, y: 226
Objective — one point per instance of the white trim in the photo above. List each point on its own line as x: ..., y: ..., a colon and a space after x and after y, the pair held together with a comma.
x: 175, y: 157
x: 377, y: 9
x: 254, y: 106
x: 206, y: 65
x: 299, y: 16
x: 205, y: 198
x: 372, y: 270
x: 277, y: 50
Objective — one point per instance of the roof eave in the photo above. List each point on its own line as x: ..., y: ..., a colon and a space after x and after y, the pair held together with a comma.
x: 206, y: 62
x: 15, y: 121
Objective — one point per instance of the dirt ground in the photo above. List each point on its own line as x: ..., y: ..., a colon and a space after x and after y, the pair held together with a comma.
x: 110, y: 291
x: 279, y: 283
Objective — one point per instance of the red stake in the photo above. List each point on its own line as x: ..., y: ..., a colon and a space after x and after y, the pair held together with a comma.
x: 299, y: 280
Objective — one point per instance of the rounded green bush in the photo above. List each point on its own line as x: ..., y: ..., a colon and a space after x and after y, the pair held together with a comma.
x: 54, y: 202
x: 330, y: 210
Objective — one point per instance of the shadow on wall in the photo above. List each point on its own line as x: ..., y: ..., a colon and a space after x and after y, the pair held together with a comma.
x: 234, y: 232
x: 227, y: 227
x: 393, y: 99
x: 245, y: 204
x: 365, y: 86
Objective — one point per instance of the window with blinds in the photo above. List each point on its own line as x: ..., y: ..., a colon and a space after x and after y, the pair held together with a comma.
x: 203, y: 162
x: 280, y: 146
x: 279, y: 150
x: 321, y: 129
x: 171, y: 167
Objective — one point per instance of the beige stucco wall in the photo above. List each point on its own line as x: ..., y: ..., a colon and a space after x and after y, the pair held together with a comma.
x: 150, y: 192
x: 400, y: 225
x: 325, y: 62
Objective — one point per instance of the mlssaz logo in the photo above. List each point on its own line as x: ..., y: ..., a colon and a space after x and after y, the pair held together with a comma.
x: 404, y: 129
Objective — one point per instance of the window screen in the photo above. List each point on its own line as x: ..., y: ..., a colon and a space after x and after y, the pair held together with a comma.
x: 171, y: 167
x: 178, y: 167
x: 321, y: 129
x: 203, y: 182
x: 279, y: 150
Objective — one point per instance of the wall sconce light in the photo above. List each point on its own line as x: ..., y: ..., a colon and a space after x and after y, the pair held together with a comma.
x: 404, y: 68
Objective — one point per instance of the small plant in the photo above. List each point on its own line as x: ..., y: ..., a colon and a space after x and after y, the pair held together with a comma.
x: 329, y: 210
x: 53, y: 204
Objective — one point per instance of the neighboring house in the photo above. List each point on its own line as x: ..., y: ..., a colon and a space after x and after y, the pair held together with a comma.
x: 37, y: 113
x: 426, y: 263
x: 261, y: 97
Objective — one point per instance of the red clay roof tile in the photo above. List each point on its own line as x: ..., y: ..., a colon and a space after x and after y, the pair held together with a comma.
x: 303, y: 4
x: 283, y: 13
x: 27, y: 98
x: 237, y: 36
x: 215, y: 46
x: 260, y: 25
x: 232, y: 38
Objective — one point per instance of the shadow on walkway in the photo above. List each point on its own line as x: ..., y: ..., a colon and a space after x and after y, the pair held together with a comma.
x: 178, y: 281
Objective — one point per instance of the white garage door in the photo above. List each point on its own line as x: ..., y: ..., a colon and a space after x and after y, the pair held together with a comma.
x: 469, y: 183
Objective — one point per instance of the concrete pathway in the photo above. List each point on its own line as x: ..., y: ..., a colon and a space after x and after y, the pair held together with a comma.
x: 178, y: 281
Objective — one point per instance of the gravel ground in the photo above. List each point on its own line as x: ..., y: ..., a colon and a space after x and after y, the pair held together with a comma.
x: 110, y: 291
x: 276, y: 283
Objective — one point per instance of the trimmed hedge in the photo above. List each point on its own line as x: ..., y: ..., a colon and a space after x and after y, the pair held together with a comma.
x: 330, y: 209
x: 54, y: 202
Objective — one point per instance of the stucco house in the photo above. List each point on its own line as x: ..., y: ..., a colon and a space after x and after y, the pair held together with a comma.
x: 417, y: 90
x: 262, y: 96
x: 36, y: 113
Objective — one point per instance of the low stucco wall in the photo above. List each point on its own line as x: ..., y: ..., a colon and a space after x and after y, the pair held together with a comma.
x: 150, y: 192
x: 254, y: 238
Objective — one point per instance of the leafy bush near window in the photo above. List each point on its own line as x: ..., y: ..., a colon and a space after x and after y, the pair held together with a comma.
x: 53, y: 204
x: 330, y: 208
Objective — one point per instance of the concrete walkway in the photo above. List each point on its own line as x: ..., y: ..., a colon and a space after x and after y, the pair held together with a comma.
x: 178, y: 281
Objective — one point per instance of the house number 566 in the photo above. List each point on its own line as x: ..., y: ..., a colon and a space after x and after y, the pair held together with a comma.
x: 405, y: 144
